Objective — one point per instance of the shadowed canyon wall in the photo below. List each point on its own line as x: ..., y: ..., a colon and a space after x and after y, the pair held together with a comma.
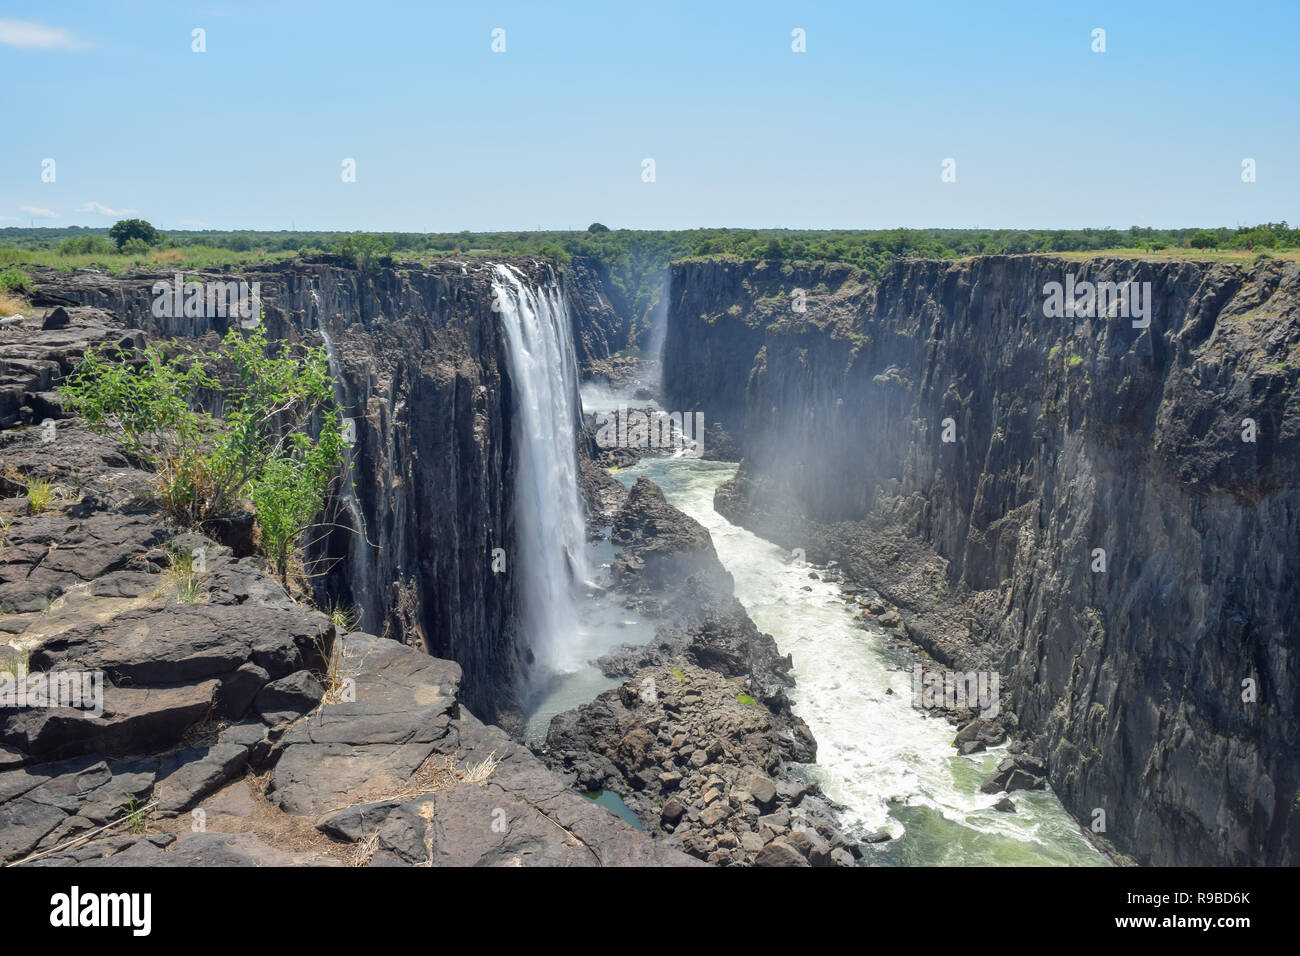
x: 423, y: 376
x: 1068, y: 435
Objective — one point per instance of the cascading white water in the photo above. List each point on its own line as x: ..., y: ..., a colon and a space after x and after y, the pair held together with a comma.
x: 358, y: 546
x: 659, y: 326
x: 548, y: 518
x: 892, y: 767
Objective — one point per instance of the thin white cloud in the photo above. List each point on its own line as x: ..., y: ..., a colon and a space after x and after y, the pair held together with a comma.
x: 38, y: 211
x: 34, y: 36
x: 104, y: 210
x: 193, y: 223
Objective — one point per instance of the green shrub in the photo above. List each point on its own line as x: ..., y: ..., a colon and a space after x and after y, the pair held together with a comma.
x: 86, y: 246
x: 15, y: 280
x: 277, y: 442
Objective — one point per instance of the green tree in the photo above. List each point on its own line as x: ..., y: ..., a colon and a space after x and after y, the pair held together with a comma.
x: 1256, y: 238
x: 127, y: 229
x: 1203, y: 239
x: 365, y: 249
x: 598, y: 227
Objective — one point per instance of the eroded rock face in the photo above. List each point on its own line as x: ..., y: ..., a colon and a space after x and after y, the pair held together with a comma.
x: 420, y: 362
x: 660, y: 546
x: 700, y: 739
x: 1068, y: 436
x: 602, y: 322
x: 668, y: 568
x: 238, y: 727
x: 702, y: 764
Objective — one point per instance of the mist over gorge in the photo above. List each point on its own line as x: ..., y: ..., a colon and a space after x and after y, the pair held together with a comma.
x: 713, y: 437
x: 1134, y: 680
x: 1066, y: 506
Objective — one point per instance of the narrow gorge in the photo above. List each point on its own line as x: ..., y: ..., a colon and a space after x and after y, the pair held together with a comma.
x: 1110, y: 522
x: 899, y: 475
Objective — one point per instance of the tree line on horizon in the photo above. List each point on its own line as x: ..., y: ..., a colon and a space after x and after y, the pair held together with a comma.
x: 632, y: 261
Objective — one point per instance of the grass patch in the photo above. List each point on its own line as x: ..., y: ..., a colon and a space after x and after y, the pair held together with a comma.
x: 479, y: 772
x: 117, y: 263
x: 137, y: 818
x: 332, y: 675
x: 40, y: 492
x: 746, y: 700
x: 11, y: 304
x: 344, y: 617
x: 15, y: 661
x: 185, y: 574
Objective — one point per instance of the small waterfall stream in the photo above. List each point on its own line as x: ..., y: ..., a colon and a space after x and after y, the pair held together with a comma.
x: 358, y: 543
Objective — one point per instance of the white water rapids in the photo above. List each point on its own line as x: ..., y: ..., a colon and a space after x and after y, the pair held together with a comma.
x: 893, y: 767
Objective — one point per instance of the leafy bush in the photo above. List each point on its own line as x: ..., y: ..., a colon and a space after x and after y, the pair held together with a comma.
x: 15, y: 280
x: 277, y: 442
x: 1203, y: 239
x: 1253, y: 239
x: 85, y: 246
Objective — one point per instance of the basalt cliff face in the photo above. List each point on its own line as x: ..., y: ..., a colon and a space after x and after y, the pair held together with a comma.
x: 1158, y: 679
x: 197, y: 713
x: 421, y: 371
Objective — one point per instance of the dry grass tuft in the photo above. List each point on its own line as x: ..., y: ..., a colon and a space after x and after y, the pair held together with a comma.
x: 13, y: 305
x: 479, y: 772
x: 364, y: 850
x: 332, y: 676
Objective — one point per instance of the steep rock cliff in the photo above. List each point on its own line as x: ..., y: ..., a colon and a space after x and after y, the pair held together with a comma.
x: 1069, y: 435
x: 422, y: 375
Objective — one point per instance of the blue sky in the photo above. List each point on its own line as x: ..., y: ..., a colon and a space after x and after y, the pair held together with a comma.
x: 448, y: 135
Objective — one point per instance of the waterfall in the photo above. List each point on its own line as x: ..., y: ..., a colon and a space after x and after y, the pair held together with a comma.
x: 658, y: 320
x: 551, y: 538
x: 358, y: 561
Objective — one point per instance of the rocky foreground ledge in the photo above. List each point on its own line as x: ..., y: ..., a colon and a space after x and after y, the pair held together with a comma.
x: 238, y: 727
